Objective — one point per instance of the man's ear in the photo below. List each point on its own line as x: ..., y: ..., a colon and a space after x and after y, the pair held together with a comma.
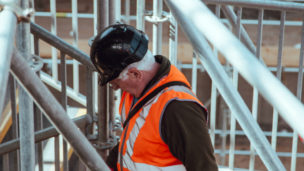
x: 135, y: 74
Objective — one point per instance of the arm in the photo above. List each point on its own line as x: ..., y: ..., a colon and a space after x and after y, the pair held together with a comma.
x: 112, y: 158
x: 184, y: 130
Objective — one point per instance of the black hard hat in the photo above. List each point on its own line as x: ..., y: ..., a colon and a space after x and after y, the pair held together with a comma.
x: 115, y: 48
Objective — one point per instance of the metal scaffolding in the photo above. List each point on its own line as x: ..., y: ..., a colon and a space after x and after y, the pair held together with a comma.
x: 55, y: 113
x: 92, y: 135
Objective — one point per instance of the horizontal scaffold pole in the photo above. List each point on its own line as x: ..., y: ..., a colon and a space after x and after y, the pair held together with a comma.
x: 272, y: 5
x: 43, y: 134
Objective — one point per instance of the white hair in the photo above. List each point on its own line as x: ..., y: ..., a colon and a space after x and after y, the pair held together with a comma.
x: 144, y: 64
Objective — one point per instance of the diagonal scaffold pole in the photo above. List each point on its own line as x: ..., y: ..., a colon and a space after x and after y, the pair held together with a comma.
x: 192, y: 17
x: 55, y: 113
x: 7, y: 36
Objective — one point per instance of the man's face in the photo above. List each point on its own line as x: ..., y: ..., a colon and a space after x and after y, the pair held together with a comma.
x: 125, y: 84
x: 129, y: 81
x: 115, y: 84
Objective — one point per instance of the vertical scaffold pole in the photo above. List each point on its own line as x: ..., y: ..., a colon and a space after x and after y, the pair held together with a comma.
x: 140, y: 15
x: 26, y: 116
x: 103, y: 92
x: 64, y: 105
x: 127, y: 11
x: 194, y: 73
x: 38, y: 119
x: 75, y: 44
x: 235, y: 78
x: 118, y: 9
x: 275, y: 119
x: 114, y: 96
x: 157, y: 27
x: 214, y: 91
x: 15, y: 132
x: 255, y: 98
x: 54, y: 31
x: 173, y: 40
x: 299, y: 95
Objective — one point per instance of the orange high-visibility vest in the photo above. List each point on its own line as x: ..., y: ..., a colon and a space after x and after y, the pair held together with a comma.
x: 141, y: 146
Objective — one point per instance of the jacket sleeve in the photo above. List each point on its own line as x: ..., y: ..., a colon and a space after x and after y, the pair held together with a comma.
x: 184, y: 130
x: 111, y: 160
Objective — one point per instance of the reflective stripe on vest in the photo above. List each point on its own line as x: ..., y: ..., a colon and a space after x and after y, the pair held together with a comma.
x: 129, y: 140
x: 146, y: 167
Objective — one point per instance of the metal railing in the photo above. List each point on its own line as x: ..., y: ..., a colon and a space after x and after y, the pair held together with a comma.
x: 43, y: 134
x: 221, y: 86
x: 56, y: 113
x: 34, y: 89
x: 195, y: 14
x: 272, y: 4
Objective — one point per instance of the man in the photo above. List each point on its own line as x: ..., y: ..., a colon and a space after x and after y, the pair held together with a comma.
x: 165, y: 125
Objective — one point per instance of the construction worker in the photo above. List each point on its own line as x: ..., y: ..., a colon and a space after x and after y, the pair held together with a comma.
x: 164, y: 124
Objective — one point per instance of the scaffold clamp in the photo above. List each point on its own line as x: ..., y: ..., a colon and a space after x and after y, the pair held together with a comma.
x: 156, y: 19
x: 23, y: 15
x: 112, y: 142
x: 36, y: 63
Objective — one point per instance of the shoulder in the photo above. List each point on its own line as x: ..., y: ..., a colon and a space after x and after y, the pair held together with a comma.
x: 182, y: 115
x: 185, y: 109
